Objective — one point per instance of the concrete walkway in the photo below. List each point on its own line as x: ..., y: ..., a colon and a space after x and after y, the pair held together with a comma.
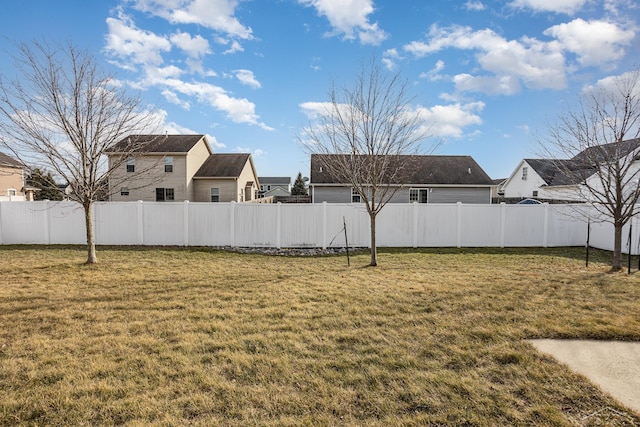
x: 612, y: 365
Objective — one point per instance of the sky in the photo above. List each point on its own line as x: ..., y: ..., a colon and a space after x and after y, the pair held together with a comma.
x: 489, y: 76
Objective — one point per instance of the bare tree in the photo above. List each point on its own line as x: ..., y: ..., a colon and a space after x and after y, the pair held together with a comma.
x: 364, y: 137
x: 61, y: 113
x: 600, y: 141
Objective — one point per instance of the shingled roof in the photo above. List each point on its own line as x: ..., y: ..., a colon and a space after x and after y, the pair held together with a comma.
x: 156, y: 143
x: 223, y: 165
x: 558, y: 172
x: 6, y: 160
x: 419, y: 170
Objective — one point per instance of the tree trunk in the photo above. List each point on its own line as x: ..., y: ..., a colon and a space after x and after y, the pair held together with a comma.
x: 374, y: 250
x: 616, y: 262
x: 91, y: 242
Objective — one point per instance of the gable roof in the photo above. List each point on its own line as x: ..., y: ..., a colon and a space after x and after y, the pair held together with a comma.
x: 598, y: 153
x: 420, y: 170
x: 6, y: 160
x: 223, y: 165
x: 558, y: 172
x: 157, y: 144
x: 279, y: 180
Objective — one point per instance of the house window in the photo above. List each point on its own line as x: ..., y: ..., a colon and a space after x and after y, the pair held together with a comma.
x: 215, y: 194
x: 242, y: 194
x: 525, y: 172
x: 535, y: 193
x: 164, y: 194
x: 12, y: 192
x: 419, y: 195
x: 124, y: 191
x: 131, y: 164
x: 355, y: 197
x: 168, y: 164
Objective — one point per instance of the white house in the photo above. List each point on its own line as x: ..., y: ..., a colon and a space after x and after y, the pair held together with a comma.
x: 568, y: 179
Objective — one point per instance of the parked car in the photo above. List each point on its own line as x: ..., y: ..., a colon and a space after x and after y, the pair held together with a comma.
x: 529, y: 202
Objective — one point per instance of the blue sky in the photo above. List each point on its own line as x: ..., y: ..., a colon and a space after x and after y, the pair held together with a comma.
x: 488, y: 75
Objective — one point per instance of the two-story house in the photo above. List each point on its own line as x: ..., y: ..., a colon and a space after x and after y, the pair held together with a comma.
x: 564, y: 179
x: 178, y: 168
x: 274, y: 186
x: 12, y: 177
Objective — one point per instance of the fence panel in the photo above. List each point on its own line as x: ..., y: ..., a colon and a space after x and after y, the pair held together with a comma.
x: 117, y: 223
x: 24, y: 222
x: 355, y: 217
x: 480, y: 225
x: 524, y: 225
x: 301, y: 225
x: 66, y: 223
x: 163, y: 223
x: 437, y: 225
x: 395, y: 225
x: 210, y: 224
x: 256, y: 225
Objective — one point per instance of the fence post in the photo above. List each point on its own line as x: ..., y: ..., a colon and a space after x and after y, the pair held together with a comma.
x: 503, y: 220
x: 545, y: 234
x: 459, y: 225
x: 186, y: 222
x: 415, y: 224
x: 278, y: 226
x: 232, y: 228
x: 324, y: 225
x: 47, y: 222
x: 140, y: 223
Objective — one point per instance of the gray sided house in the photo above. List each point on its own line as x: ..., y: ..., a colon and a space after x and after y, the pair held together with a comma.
x: 427, y: 179
x: 274, y: 186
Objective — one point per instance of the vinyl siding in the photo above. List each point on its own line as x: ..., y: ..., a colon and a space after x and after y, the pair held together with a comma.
x: 11, y: 178
x: 463, y: 195
x: 436, y: 195
x: 331, y: 194
x: 229, y: 190
x: 149, y: 174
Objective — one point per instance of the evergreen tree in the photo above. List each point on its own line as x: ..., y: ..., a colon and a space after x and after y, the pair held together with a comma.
x: 299, y: 188
x: 46, y: 184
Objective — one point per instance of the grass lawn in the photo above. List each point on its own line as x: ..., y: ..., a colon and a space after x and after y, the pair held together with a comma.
x: 194, y: 336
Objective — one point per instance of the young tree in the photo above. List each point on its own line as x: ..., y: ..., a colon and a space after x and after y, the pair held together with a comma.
x: 46, y: 185
x: 299, y: 187
x: 364, y: 137
x: 61, y: 113
x: 600, y: 137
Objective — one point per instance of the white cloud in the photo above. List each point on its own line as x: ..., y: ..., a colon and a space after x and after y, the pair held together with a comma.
x: 389, y: 58
x: 255, y: 153
x: 313, y: 110
x: 594, y: 42
x: 434, y: 73
x: 173, y: 98
x: 194, y: 47
x: 535, y: 64
x: 475, y: 6
x: 557, y: 6
x: 218, y: 15
x: 350, y: 18
x: 441, y: 120
x: 450, y: 120
x: 238, y: 110
x: 247, y: 78
x: 127, y: 42
x: 612, y: 84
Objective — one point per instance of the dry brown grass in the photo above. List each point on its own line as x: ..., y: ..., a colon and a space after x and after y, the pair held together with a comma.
x: 431, y: 337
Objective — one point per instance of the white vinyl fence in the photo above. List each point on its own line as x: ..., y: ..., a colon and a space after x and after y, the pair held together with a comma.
x: 306, y: 225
